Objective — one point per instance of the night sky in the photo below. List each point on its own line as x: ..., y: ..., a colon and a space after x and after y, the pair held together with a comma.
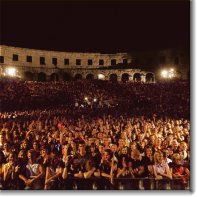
x: 95, y: 26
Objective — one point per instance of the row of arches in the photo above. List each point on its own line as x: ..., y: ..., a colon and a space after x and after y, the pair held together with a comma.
x: 67, y: 77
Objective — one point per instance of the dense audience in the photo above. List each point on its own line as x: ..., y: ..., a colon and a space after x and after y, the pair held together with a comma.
x: 94, y: 135
x: 171, y: 99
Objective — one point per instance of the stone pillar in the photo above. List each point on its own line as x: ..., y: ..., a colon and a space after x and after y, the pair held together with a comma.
x: 130, y: 77
x: 143, y: 78
x: 35, y: 76
x: 61, y: 76
x: 119, y: 78
x: 48, y: 77
x: 153, y: 79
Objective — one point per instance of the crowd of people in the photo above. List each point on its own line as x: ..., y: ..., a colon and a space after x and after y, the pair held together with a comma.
x: 171, y: 99
x: 94, y: 135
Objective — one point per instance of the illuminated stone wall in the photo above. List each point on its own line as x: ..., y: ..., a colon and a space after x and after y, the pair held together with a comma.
x: 60, y: 70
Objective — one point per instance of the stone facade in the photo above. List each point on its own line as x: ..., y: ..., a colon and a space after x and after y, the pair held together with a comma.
x: 45, y: 65
x: 178, y: 59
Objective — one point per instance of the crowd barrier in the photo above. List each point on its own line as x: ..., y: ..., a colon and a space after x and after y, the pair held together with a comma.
x: 117, y: 184
x: 126, y: 184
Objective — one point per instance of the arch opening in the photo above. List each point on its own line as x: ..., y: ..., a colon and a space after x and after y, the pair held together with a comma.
x: 78, y: 77
x: 41, y: 77
x: 125, y: 77
x: 149, y: 77
x: 29, y: 76
x: 90, y: 76
x: 113, y: 77
x: 54, y: 77
x: 66, y: 76
x: 137, y: 77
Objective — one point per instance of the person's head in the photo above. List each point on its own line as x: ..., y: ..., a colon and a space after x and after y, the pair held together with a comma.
x: 73, y: 145
x: 149, y: 152
x: 77, y: 134
x: 140, y: 136
x: 106, y: 141
x: 100, y: 135
x: 24, y: 144
x: 158, y: 141
x: 101, y: 148
x: 158, y: 157
x: 113, y: 148
x: 31, y: 154
x: 90, y: 141
x: 170, y: 151
x: 81, y: 148
x: 106, y: 155
x: 135, y: 154
x: 6, y: 146
x: 35, y: 145
x: 133, y: 145
x: 183, y: 146
x: 92, y: 148
x: 2, y: 138
x: 124, y: 151
x: 152, y: 139
x: 121, y: 142
x: 21, y: 154
x: 123, y: 135
x: 43, y: 152
x: 177, y: 158
x: 175, y: 144
x: 12, y: 158
x: 65, y: 150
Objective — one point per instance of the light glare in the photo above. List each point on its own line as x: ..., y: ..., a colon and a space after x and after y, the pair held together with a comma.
x: 10, y: 72
x: 101, y: 76
x: 164, y: 73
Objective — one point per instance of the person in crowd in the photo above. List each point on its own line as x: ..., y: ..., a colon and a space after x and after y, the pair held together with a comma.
x: 179, y: 172
x: 33, y: 173
x: 161, y: 170
x: 10, y: 173
x: 2, y: 162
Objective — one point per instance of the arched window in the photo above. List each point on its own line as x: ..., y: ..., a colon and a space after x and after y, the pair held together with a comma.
x: 54, y: 77
x: 66, y: 76
x: 78, y: 76
x: 125, y: 77
x: 149, y: 77
x: 29, y: 76
x: 137, y: 77
x: 90, y: 76
x: 113, y: 77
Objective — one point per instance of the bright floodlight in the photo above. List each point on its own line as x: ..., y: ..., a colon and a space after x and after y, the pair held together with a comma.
x: 95, y: 99
x: 10, y: 72
x: 101, y: 76
x: 171, y: 73
x: 164, y: 73
x: 86, y: 98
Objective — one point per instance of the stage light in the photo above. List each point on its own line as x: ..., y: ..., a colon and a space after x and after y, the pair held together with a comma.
x: 95, y: 99
x: 172, y: 70
x: 10, y: 72
x: 101, y: 76
x: 164, y: 73
x: 86, y: 98
x: 168, y: 74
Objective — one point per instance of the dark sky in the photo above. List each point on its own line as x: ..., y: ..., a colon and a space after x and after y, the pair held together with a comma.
x: 95, y: 26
